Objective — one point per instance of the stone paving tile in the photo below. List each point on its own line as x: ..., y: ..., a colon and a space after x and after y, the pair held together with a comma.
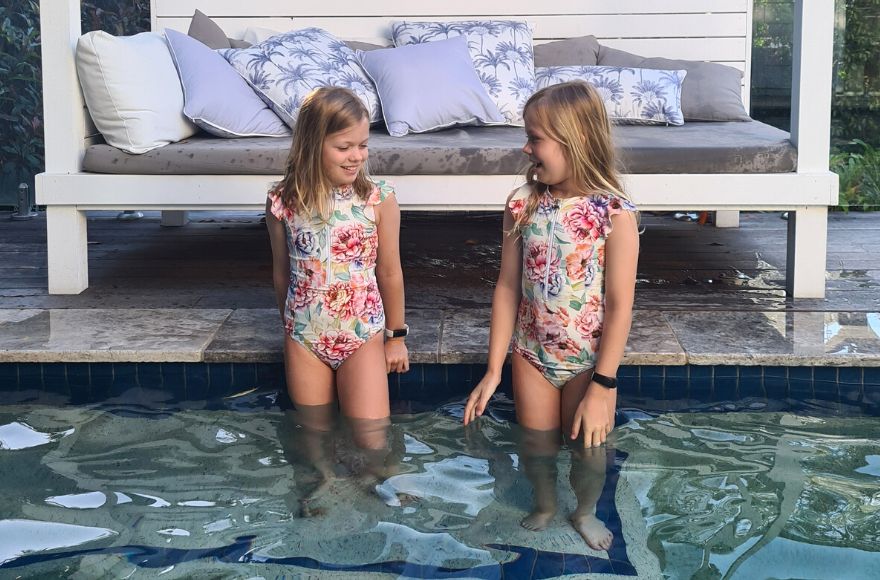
x: 248, y: 335
x: 652, y: 341
x: 105, y: 335
x: 778, y: 338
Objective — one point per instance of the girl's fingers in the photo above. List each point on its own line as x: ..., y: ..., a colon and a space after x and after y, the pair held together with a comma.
x: 576, y: 428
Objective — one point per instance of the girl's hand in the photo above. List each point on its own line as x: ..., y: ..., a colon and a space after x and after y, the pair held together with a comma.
x: 479, y: 397
x: 396, y: 356
x: 595, y: 415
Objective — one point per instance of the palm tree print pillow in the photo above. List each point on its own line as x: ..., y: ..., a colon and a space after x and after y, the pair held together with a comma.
x: 284, y: 68
x: 631, y: 95
x: 500, y: 49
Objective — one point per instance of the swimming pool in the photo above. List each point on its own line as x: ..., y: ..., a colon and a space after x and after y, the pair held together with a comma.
x: 135, y: 486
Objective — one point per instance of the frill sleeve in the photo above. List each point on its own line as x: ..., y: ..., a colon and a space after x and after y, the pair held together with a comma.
x: 517, y: 201
x: 382, y: 191
x: 616, y: 205
x: 278, y: 209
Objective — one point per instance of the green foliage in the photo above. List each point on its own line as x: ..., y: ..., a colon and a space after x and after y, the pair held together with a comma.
x: 859, y: 172
x: 21, y: 101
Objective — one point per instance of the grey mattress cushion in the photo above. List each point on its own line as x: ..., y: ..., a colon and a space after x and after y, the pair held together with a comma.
x: 731, y: 147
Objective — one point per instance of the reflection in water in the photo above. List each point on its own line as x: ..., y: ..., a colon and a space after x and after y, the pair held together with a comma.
x: 709, y: 495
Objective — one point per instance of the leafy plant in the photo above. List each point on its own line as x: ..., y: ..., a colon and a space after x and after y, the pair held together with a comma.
x: 859, y: 173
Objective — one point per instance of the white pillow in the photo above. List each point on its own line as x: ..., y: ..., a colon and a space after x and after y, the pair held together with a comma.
x: 132, y: 90
x: 257, y: 34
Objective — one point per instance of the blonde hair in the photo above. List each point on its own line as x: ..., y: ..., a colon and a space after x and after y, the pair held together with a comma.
x: 305, y: 187
x: 573, y: 115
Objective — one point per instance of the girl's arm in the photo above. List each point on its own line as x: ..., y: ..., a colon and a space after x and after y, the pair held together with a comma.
x: 505, y: 302
x: 389, y: 275
x: 280, y: 259
x: 595, y: 414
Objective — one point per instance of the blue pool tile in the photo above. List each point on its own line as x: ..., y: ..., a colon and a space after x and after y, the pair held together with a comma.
x: 871, y: 398
x: 751, y: 382
x: 650, y: 382
x: 725, y: 383
x: 244, y: 376
x: 700, y: 380
x: 197, y: 381
x: 849, y: 376
x: 174, y: 379
x: 101, y: 378
x: 55, y: 379
x: 394, y: 386
x: 825, y: 375
x: 8, y: 377
x: 219, y: 379
x: 675, y: 382
x: 549, y: 565
x: 800, y: 383
x: 776, y: 382
x: 150, y: 375
x: 871, y: 375
x: 30, y: 376
x: 434, y: 378
x: 410, y: 383
x: 600, y: 566
x: 628, y: 372
x: 79, y: 380
x: 270, y: 376
x: 125, y: 382
x: 506, y: 385
x: 459, y: 377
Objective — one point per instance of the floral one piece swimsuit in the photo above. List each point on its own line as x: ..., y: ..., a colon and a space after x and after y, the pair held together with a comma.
x: 559, y: 321
x: 333, y: 302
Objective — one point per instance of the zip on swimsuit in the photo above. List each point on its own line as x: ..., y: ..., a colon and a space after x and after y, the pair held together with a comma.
x: 550, y: 247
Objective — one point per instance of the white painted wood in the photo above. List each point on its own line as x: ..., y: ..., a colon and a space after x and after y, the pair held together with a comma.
x: 174, y: 219
x: 461, y: 192
x: 727, y: 219
x: 806, y: 252
x: 63, y: 108
x: 185, y: 8
x: 68, y: 262
x: 812, y: 50
x: 711, y: 30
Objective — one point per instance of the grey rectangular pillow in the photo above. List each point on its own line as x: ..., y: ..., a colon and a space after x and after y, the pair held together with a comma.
x: 711, y: 91
x: 429, y: 86
x: 581, y: 51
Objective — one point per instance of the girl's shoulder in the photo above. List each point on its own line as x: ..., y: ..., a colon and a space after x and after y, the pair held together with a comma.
x: 382, y: 190
x: 518, y: 199
x: 613, y: 203
x: 277, y: 206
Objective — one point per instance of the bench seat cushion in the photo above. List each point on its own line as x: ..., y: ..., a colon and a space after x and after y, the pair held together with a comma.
x: 730, y: 147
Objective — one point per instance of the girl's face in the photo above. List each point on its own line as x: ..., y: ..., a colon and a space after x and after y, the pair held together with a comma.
x: 345, y: 152
x: 551, y: 166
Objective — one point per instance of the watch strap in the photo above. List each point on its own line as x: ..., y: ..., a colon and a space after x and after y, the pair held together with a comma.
x: 397, y: 332
x: 605, y: 381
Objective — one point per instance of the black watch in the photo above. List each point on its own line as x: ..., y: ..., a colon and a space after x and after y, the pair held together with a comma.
x: 397, y: 332
x: 605, y: 381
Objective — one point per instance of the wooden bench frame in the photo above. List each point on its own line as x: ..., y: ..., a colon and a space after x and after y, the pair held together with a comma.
x: 713, y: 30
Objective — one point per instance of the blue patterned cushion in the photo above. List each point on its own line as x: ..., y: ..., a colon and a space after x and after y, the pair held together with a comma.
x: 631, y: 95
x: 284, y: 68
x: 500, y: 49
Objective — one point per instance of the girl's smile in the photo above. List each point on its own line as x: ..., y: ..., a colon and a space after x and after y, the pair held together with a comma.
x: 547, y: 156
x: 345, y: 152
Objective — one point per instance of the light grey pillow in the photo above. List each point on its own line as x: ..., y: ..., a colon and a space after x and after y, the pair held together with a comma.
x: 711, y: 91
x: 581, y: 51
x: 215, y: 96
x: 429, y: 86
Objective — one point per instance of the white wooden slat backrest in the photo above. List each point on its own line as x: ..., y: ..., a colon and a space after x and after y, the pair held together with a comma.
x: 711, y: 30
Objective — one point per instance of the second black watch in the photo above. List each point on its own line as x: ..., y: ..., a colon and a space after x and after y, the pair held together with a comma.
x: 605, y: 381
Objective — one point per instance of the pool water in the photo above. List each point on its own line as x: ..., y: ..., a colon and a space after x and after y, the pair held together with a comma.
x: 125, y: 492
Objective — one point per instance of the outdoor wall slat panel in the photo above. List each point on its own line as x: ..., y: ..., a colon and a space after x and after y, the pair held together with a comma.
x: 378, y: 31
x: 185, y: 8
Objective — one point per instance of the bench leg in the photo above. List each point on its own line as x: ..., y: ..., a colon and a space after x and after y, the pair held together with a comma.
x: 174, y: 218
x: 807, y: 247
x: 728, y: 218
x: 67, y: 246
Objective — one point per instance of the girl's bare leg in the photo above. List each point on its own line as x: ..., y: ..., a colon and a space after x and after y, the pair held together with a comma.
x: 587, y: 475
x: 537, y: 410
x: 362, y: 386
